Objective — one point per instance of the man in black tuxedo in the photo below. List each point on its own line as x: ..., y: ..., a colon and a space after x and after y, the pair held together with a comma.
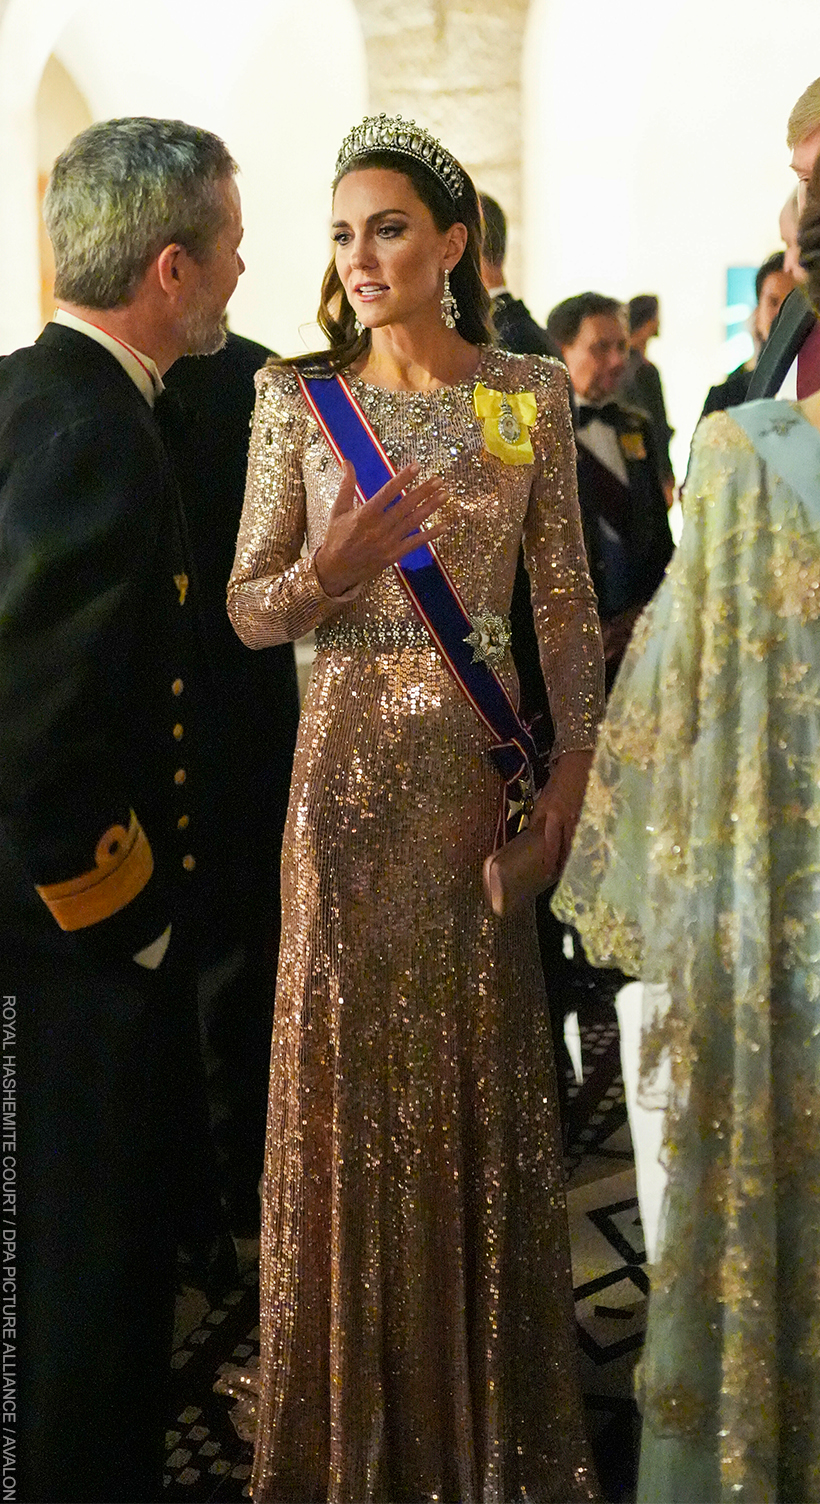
x: 789, y: 366
x: 514, y: 324
x: 255, y: 709
x: 103, y: 710
x: 622, y: 504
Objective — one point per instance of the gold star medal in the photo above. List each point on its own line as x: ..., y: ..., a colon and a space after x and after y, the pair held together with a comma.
x: 490, y: 636
x: 519, y: 809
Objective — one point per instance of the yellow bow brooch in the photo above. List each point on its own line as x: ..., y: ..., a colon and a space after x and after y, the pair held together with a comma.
x: 508, y: 418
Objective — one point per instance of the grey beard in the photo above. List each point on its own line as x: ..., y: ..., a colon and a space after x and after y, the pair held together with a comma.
x: 202, y: 336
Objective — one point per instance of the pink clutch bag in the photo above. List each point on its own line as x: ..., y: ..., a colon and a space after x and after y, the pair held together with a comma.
x: 517, y: 873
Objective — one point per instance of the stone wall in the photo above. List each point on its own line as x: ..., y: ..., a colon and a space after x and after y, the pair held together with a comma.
x: 455, y: 67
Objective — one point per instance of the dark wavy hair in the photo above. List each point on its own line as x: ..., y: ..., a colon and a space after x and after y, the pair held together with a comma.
x: 808, y: 239
x: 336, y: 317
x: 771, y: 265
x: 565, y: 320
x: 641, y: 309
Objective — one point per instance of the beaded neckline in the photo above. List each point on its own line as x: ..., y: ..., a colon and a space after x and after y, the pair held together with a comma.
x: 439, y: 391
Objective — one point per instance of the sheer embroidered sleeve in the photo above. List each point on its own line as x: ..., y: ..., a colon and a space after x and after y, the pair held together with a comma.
x: 695, y: 864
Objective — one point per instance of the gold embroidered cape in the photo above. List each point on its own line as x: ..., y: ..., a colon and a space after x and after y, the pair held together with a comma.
x: 697, y: 864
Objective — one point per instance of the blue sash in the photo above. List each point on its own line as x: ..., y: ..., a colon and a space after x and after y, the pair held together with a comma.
x: 435, y: 599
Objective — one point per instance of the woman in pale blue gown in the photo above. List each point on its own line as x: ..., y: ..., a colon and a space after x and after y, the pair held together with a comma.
x: 697, y: 864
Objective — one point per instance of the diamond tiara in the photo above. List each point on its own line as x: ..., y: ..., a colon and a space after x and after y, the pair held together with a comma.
x: 392, y: 133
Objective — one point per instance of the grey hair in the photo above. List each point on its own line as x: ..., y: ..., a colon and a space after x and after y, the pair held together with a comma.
x: 120, y: 192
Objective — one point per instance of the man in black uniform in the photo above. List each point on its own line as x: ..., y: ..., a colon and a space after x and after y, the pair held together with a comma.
x: 254, y: 713
x: 101, y: 778
x: 622, y: 505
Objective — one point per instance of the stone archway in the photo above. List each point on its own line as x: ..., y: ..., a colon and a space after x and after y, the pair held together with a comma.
x: 453, y: 64
x: 281, y: 104
x: 456, y: 66
x: 27, y: 36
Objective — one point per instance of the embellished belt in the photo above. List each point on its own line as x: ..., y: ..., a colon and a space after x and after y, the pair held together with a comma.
x: 374, y: 636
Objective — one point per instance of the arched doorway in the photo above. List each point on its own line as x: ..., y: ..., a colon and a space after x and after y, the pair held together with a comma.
x: 281, y: 103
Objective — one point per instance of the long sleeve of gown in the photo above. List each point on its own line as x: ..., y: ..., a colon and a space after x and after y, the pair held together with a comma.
x: 563, y: 599
x: 274, y: 594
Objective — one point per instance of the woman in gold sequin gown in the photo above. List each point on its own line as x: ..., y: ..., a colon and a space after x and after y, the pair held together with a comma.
x: 418, y: 1336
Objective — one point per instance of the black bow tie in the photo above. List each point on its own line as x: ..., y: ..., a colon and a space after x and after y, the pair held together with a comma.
x: 610, y: 413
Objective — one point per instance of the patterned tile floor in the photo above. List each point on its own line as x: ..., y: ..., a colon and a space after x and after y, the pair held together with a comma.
x: 205, y: 1460
x: 609, y: 1271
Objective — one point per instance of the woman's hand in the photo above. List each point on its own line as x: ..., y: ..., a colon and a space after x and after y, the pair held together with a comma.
x: 361, y: 541
x: 559, y: 804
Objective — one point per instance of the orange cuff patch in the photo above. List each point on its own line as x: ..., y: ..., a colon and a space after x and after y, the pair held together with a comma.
x: 124, y: 863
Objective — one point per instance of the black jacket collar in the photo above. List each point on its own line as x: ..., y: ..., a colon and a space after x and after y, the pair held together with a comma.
x: 790, y: 329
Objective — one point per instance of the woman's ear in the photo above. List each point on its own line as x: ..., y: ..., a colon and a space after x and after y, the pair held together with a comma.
x: 456, y: 242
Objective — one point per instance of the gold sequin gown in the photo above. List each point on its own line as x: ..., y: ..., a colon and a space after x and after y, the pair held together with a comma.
x: 418, y: 1337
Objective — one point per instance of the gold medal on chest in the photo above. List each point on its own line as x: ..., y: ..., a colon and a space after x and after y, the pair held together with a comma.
x: 508, y: 425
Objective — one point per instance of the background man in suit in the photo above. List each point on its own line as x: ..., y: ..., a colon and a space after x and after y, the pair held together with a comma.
x: 517, y: 331
x: 641, y: 385
x: 102, y: 726
x: 622, y: 505
x: 515, y: 326
x: 254, y: 712
x: 790, y: 364
x: 773, y: 284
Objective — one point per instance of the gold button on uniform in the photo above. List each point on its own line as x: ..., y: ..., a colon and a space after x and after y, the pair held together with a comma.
x: 189, y: 863
x: 178, y: 731
x: 177, y: 687
x: 183, y: 822
x: 180, y: 775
